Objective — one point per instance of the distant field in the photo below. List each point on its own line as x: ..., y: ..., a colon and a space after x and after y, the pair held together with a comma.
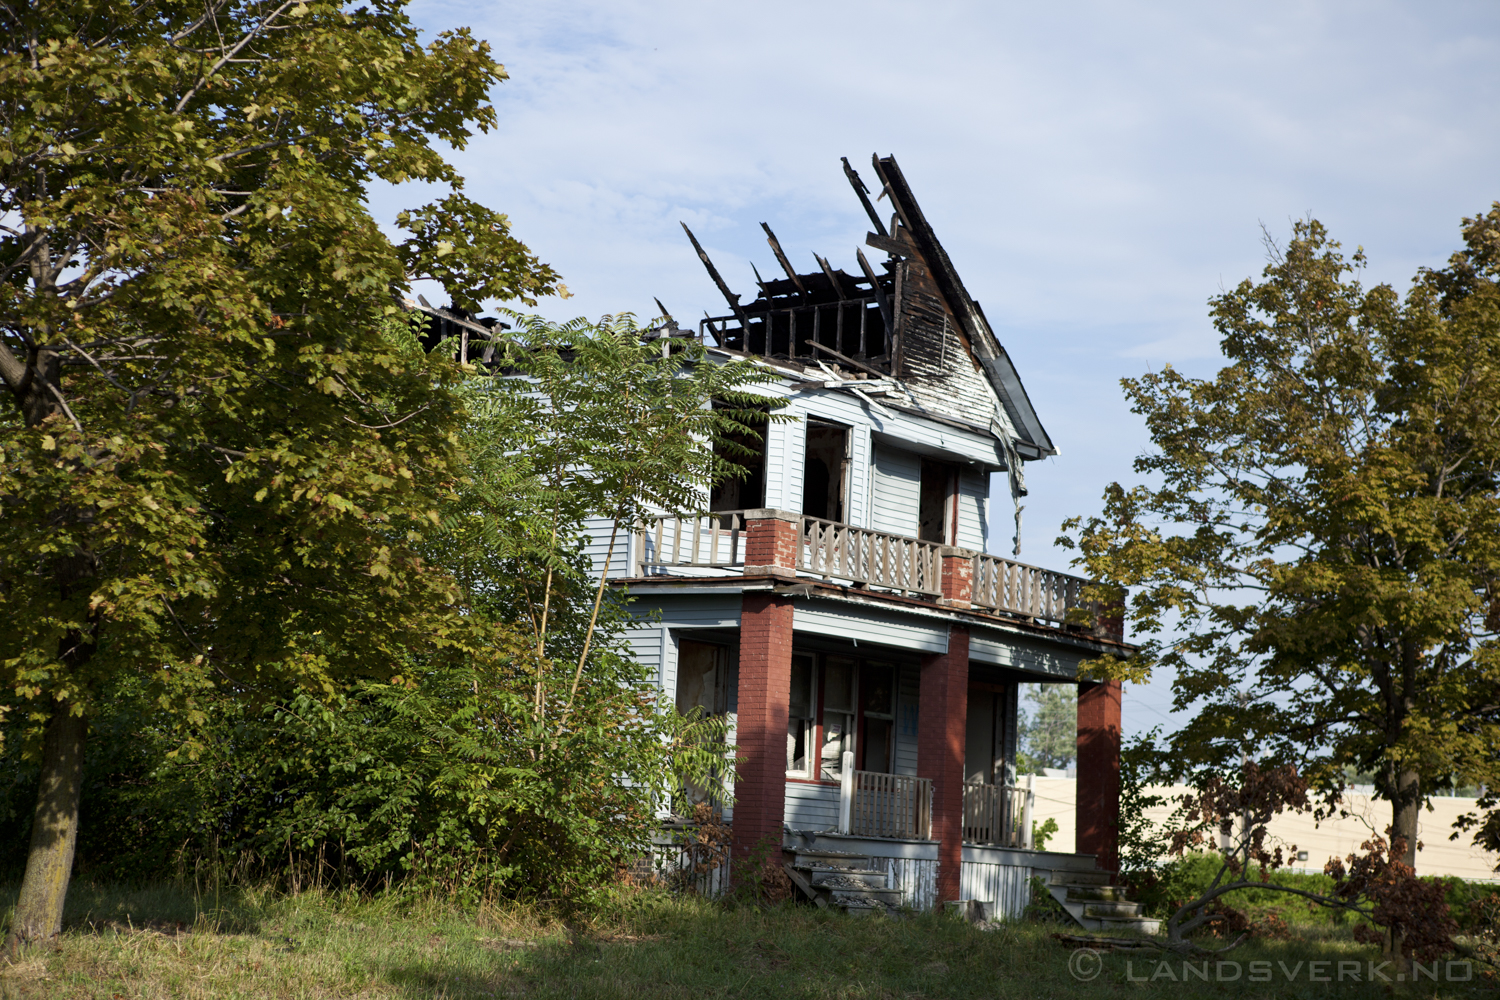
x: 1055, y: 798
x: 161, y: 941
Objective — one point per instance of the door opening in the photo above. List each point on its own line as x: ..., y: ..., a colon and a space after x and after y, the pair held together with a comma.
x: 825, y: 471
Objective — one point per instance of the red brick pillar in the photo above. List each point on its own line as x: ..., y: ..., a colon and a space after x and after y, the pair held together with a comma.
x: 760, y: 733
x: 958, y: 576
x: 771, y: 539
x: 942, y: 721
x: 1099, y: 772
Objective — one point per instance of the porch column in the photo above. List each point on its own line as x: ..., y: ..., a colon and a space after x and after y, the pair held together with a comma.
x: 942, y: 721
x: 1099, y: 772
x: 760, y: 733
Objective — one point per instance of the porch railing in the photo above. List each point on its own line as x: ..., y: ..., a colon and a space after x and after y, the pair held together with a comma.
x: 1025, y: 590
x: 998, y: 815
x: 712, y: 540
x: 874, y: 804
x: 869, y: 558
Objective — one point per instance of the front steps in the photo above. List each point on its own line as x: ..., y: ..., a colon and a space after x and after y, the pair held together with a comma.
x: 1095, y: 904
x: 848, y: 882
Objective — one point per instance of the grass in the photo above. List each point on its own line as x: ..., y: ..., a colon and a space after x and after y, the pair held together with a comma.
x: 163, y: 941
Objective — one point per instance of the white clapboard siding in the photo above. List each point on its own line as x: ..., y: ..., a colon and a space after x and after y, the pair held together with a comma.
x: 896, y: 490
x: 906, y: 719
x: 811, y: 807
x: 1003, y: 885
x: 598, y: 532
x: 973, y: 510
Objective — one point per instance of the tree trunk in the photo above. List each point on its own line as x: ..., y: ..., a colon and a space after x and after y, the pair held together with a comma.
x: 1405, y: 808
x: 54, y: 832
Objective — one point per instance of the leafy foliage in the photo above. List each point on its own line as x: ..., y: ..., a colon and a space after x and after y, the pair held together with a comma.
x: 1324, y: 534
x: 1049, y: 731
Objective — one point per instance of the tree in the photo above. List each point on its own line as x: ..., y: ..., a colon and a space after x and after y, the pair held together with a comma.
x: 221, y: 455
x: 1049, y: 733
x: 1318, y: 556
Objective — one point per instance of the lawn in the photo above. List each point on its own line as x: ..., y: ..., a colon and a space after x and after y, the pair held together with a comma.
x: 164, y: 941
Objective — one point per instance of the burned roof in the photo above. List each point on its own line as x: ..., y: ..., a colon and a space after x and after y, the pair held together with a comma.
x: 908, y: 316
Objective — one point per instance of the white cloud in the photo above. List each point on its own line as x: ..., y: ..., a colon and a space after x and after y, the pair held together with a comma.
x: 1096, y: 170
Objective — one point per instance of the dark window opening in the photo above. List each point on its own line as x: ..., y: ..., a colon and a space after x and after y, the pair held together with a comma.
x: 825, y: 471
x: 877, y: 703
x: 934, y: 510
x: 703, y: 679
x: 749, y: 490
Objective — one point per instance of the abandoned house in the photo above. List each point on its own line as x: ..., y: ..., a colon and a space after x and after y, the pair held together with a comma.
x: 840, y: 604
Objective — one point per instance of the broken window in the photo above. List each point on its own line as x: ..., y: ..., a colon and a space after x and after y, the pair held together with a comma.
x: 936, y: 505
x: 801, y: 721
x: 838, y: 714
x: 825, y: 471
x: 749, y: 490
x: 703, y: 677
x: 877, y: 704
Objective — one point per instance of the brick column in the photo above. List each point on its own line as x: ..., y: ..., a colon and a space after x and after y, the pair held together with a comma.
x: 958, y: 576
x: 760, y: 733
x: 1099, y: 772
x: 771, y: 539
x: 942, y: 723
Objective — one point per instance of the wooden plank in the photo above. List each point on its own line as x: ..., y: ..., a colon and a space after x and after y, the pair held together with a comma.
x: 786, y: 265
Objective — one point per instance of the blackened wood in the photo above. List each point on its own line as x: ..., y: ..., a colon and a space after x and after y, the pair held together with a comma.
x: 833, y: 279
x: 786, y: 265
x: 850, y: 361
x: 889, y: 245
x: 713, y: 272
x: 864, y: 197
x: 885, y: 304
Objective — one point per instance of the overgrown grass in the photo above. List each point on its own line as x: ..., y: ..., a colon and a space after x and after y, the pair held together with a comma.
x: 163, y: 941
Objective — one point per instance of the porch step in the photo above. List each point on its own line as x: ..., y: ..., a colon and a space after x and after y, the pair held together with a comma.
x: 849, y: 882
x: 1096, y: 905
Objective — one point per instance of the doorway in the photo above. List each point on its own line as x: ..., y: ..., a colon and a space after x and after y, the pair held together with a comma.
x: 935, y: 509
x: 825, y: 471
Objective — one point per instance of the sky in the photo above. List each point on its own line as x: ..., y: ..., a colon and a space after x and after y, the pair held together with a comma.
x: 1096, y: 171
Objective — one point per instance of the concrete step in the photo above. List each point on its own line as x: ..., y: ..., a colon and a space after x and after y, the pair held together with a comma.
x: 857, y: 896
x: 1090, y: 893
x: 1116, y: 908
x: 1141, y: 925
x: 844, y: 877
x: 1065, y: 876
x: 828, y: 859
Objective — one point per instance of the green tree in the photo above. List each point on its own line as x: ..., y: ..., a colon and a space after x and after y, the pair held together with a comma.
x: 1049, y: 731
x: 1324, y: 528
x: 222, y: 454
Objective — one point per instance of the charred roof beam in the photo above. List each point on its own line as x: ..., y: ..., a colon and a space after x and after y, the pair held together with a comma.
x: 786, y: 265
x: 713, y: 272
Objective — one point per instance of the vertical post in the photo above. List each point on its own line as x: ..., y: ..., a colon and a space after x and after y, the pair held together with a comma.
x: 942, y: 722
x: 956, y: 570
x: 846, y: 791
x: 1026, y: 811
x: 765, y: 685
x: 1099, y: 772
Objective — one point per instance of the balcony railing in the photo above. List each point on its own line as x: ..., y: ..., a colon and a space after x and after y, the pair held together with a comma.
x: 869, y: 558
x: 712, y: 540
x: 1025, y: 590
x: 998, y: 815
x: 875, y: 804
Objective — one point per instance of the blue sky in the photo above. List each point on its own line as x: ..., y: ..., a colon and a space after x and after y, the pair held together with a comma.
x: 1095, y: 170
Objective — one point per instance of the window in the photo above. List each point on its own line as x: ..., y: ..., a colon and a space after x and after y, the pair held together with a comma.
x: 838, y: 714
x: 877, y: 704
x: 748, y: 451
x: 825, y: 467
x: 801, y: 726
x: 702, y: 677
x: 935, y: 513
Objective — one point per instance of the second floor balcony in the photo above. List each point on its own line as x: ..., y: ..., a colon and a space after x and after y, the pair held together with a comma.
x: 746, y: 542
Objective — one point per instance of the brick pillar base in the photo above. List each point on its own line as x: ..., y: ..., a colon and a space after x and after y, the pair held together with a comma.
x: 942, y: 724
x: 764, y: 687
x: 1099, y: 772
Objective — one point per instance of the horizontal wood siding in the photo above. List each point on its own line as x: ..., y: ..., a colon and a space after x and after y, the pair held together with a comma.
x: 872, y: 627
x: 907, y: 685
x: 973, y: 510
x: 598, y: 529
x: 896, y: 490
x: 812, y: 807
x: 1003, y: 885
